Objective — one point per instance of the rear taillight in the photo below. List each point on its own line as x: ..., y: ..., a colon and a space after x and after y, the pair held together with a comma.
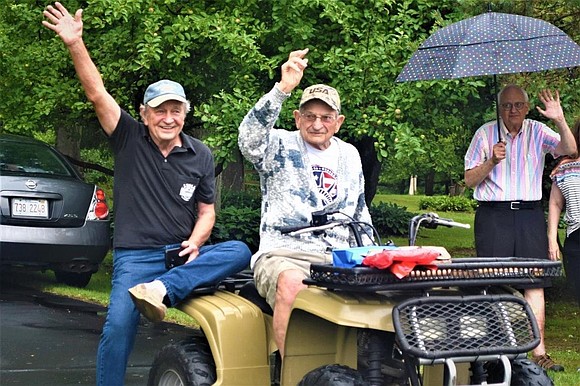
x: 99, y: 209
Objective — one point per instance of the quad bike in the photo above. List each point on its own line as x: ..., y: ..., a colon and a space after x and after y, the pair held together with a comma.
x: 461, y: 323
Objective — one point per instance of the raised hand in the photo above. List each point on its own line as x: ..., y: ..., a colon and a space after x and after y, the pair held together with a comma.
x: 293, y: 70
x: 61, y: 21
x: 552, y: 108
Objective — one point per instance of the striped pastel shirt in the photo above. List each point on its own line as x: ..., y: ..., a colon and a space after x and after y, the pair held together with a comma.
x: 519, y: 176
x: 567, y: 177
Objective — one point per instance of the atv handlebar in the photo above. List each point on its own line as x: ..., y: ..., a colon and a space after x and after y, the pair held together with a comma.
x: 294, y: 230
x: 430, y: 220
x: 324, y: 221
x: 433, y: 220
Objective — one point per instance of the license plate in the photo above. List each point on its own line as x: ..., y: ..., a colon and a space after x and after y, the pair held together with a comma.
x: 26, y: 207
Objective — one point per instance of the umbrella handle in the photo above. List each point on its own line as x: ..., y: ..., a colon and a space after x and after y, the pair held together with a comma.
x: 498, y: 127
x: 497, y: 109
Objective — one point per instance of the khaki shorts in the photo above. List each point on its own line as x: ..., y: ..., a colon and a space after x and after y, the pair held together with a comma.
x: 271, y: 264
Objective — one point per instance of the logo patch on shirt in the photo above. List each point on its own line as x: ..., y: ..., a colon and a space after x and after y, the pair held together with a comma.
x: 325, y: 179
x: 186, y: 191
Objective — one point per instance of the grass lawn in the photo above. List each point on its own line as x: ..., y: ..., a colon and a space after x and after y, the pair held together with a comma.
x: 562, y: 315
x: 458, y: 241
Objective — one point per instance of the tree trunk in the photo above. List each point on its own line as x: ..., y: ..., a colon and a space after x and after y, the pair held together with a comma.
x: 68, y: 139
x: 429, y: 183
x: 218, y: 193
x: 370, y: 164
x: 413, y: 185
x: 233, y: 174
x: 456, y: 189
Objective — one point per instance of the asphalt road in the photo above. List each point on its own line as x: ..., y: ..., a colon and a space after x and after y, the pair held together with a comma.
x: 52, y: 341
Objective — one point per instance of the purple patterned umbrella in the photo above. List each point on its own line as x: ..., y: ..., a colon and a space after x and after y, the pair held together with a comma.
x: 491, y: 44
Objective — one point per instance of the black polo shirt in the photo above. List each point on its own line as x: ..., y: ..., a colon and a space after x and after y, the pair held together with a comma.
x: 154, y: 196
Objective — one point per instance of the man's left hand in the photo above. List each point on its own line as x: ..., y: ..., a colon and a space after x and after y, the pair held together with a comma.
x: 553, y: 109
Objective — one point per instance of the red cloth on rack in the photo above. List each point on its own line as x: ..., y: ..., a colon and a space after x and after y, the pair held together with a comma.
x: 402, y: 261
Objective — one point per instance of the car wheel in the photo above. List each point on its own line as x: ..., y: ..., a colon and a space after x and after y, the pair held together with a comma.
x: 524, y: 373
x: 74, y: 279
x: 333, y: 375
x: 185, y: 363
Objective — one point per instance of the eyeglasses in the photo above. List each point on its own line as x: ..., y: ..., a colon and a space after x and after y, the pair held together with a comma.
x: 517, y: 105
x: 327, y: 118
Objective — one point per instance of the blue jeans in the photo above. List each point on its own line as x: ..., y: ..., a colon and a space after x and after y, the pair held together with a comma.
x: 131, y: 267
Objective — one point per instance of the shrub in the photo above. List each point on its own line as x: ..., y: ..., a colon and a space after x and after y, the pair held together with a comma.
x: 448, y: 203
x: 237, y: 223
x: 390, y: 219
x: 249, y: 198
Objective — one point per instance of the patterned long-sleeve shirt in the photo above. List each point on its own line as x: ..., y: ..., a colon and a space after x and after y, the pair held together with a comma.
x: 567, y: 177
x: 519, y: 175
x: 289, y: 192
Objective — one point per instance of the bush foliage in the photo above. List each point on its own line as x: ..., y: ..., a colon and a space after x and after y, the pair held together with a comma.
x: 238, y: 219
x: 241, y: 224
x: 390, y: 219
x: 448, y: 204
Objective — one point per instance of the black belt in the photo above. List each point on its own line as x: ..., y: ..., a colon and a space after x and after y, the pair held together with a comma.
x: 512, y: 205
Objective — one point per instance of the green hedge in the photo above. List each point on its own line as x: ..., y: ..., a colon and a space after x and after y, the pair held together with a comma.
x: 390, y: 219
x: 241, y: 224
x: 448, y: 204
x: 238, y: 219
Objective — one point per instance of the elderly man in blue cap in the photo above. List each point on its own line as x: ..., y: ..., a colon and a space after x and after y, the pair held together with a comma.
x: 164, y: 195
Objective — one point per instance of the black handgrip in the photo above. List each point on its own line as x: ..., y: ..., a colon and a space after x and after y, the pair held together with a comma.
x: 292, y: 228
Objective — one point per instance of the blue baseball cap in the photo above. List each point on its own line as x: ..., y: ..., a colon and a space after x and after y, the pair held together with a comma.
x: 162, y: 91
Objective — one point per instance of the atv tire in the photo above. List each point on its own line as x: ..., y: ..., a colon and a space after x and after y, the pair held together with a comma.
x: 333, y: 375
x: 185, y: 363
x: 380, y: 360
x: 524, y: 373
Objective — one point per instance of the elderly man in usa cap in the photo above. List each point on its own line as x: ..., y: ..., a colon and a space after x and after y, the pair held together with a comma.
x: 301, y: 172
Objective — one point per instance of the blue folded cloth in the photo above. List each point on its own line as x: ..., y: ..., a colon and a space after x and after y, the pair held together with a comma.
x: 351, y: 257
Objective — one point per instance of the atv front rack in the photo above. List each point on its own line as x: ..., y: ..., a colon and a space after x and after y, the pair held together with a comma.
x: 437, y: 327
x: 454, y: 329
x: 460, y: 329
x: 464, y: 272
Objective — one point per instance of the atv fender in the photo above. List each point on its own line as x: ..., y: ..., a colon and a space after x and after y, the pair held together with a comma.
x: 236, y: 332
x: 361, y: 310
x: 323, y: 329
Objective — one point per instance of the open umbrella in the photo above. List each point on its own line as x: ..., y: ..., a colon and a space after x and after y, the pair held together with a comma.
x: 491, y: 44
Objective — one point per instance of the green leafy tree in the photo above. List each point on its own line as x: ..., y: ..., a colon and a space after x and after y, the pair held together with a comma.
x: 358, y: 47
x: 227, y: 54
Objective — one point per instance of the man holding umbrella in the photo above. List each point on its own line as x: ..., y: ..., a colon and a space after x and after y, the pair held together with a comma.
x: 505, y: 169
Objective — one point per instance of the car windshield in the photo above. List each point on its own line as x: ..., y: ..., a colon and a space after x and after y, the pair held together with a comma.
x: 31, y: 158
